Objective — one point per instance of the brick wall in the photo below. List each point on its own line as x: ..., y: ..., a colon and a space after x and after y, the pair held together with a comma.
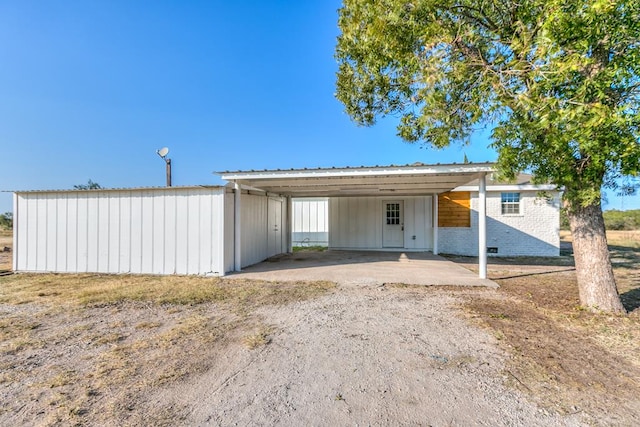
x: 535, y: 231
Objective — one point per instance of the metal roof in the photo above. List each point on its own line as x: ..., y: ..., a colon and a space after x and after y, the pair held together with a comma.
x: 392, y: 180
x: 96, y: 190
x: 342, y: 168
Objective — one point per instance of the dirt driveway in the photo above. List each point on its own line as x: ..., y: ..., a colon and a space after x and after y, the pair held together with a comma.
x: 361, y: 355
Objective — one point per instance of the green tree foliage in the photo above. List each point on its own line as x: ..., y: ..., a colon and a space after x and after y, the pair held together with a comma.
x: 622, y: 220
x: 6, y: 220
x: 558, y: 81
x: 90, y: 185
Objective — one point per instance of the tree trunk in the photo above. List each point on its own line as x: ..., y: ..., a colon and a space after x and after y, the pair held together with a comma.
x: 596, y: 283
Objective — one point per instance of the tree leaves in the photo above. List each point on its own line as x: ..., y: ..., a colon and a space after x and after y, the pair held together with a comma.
x: 558, y: 80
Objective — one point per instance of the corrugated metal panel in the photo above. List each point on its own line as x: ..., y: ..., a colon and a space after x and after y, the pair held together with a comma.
x: 229, y: 249
x: 254, y: 229
x: 357, y: 222
x: 116, y: 189
x: 409, y: 165
x: 310, y: 221
x: 169, y: 231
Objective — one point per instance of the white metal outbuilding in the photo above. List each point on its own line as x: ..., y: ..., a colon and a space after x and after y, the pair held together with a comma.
x: 172, y: 230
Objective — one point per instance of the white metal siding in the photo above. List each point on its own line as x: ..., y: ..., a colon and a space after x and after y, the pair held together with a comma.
x: 256, y: 224
x: 229, y: 244
x: 356, y: 222
x: 161, y: 231
x: 310, y: 221
x: 254, y: 229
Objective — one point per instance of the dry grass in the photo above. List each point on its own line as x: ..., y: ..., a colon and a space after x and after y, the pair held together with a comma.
x: 568, y: 358
x: 92, y: 349
x: 623, y: 238
x: 259, y: 337
x: 101, y: 290
x: 6, y: 258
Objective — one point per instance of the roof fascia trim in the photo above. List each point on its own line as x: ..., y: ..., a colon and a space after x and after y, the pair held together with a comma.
x: 510, y: 187
x: 350, y: 172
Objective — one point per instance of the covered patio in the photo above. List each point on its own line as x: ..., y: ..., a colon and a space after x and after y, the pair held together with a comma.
x: 372, y: 268
x: 393, y: 181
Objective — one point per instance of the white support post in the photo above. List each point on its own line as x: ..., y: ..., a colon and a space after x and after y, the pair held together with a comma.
x: 16, y: 218
x: 435, y: 224
x: 237, y: 228
x: 482, y: 227
x: 289, y: 224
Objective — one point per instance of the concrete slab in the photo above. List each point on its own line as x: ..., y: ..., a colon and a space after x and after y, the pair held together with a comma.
x: 364, y: 267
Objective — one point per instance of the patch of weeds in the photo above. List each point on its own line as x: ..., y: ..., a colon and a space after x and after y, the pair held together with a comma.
x: 63, y: 378
x: 258, y: 339
x: 148, y: 325
x: 498, y: 316
x: 195, y: 325
x: 110, y: 338
x: 312, y: 248
x: 17, y: 334
x: 338, y: 397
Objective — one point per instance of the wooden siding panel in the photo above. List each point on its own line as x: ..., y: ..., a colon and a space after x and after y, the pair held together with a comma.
x: 454, y: 209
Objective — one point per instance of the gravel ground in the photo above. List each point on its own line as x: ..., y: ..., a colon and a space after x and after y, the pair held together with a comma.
x: 362, y: 355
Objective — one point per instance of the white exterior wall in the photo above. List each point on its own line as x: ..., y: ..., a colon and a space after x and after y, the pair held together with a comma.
x: 254, y: 229
x: 533, y: 232
x: 257, y: 222
x: 310, y: 219
x: 151, y: 231
x: 356, y: 222
x: 229, y: 244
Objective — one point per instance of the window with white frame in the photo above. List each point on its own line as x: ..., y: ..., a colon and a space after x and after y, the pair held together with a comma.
x: 510, y: 203
x: 393, y: 213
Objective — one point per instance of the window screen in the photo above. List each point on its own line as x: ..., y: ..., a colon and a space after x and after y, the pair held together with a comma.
x: 393, y: 213
x: 510, y: 203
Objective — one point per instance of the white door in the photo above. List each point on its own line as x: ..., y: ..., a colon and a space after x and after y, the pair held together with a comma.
x: 274, y: 227
x: 393, y: 224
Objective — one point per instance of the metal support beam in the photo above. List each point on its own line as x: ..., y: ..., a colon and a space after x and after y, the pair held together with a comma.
x: 482, y: 227
x: 289, y: 224
x: 435, y: 224
x: 237, y: 228
x: 16, y: 241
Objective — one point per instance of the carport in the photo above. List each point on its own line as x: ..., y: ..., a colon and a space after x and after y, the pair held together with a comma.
x: 373, y: 268
x: 378, y: 181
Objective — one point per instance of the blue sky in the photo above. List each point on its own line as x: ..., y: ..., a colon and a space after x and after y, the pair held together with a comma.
x: 91, y: 90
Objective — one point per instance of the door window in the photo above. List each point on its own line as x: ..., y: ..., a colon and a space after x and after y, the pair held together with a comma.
x: 393, y: 213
